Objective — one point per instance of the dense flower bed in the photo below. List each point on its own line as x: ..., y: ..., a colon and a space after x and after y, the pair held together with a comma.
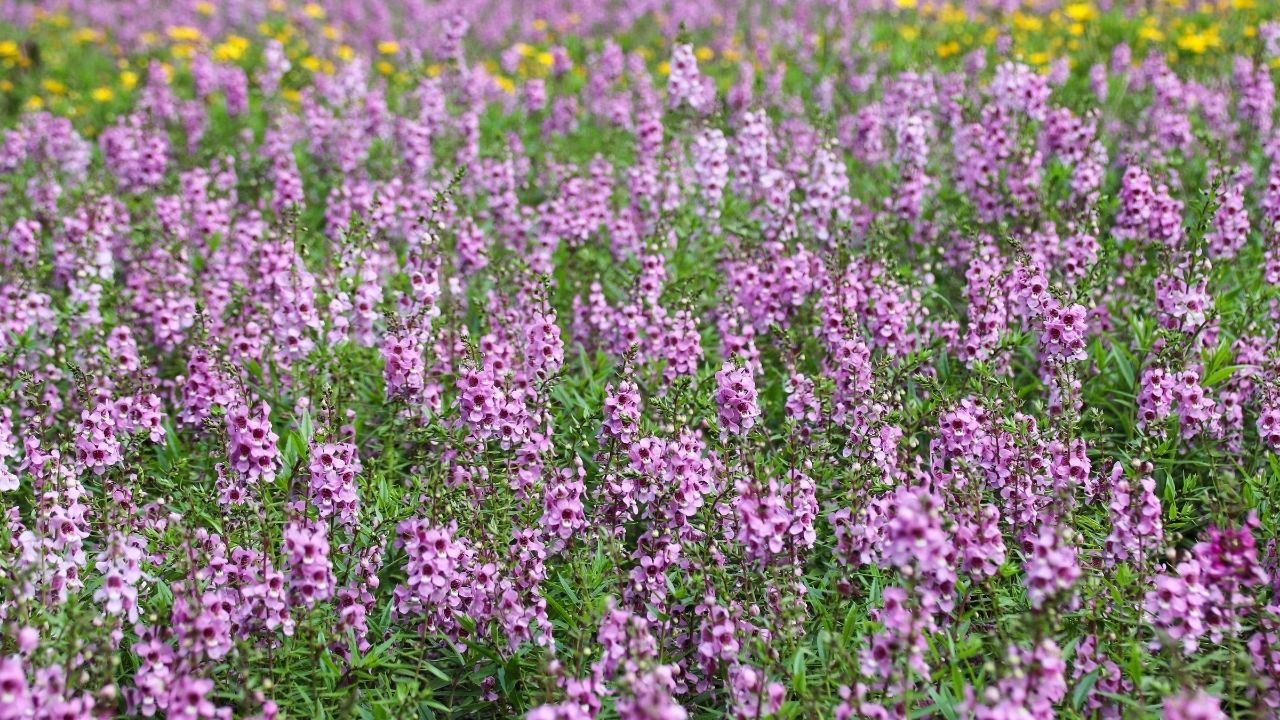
x: 653, y: 360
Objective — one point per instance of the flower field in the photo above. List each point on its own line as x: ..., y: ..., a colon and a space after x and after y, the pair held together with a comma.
x: 646, y: 360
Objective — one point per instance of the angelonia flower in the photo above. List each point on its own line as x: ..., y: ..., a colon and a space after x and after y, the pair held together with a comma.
x: 640, y: 360
x: 251, y: 444
x: 1052, y: 568
x: 1189, y: 705
x: 334, y: 467
x: 1137, y: 526
x: 306, y: 548
x: 736, y: 399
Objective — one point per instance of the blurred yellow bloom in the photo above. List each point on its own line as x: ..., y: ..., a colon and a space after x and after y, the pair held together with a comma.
x: 9, y: 49
x: 906, y: 4
x: 731, y: 55
x: 102, y: 94
x: 291, y: 95
x: 505, y: 83
x: 35, y: 102
x: 1151, y: 33
x: 313, y: 11
x: 909, y: 33
x: 205, y: 8
x: 385, y: 67
x: 1243, y: 4
x: 947, y: 49
x: 388, y: 47
x: 128, y: 79
x: 87, y: 35
x: 539, y: 24
x: 231, y: 50
x: 5, y: 86
x: 1027, y: 23
x: 184, y: 33
x: 546, y: 59
x: 53, y: 86
x: 1199, y: 42
x: 330, y: 32
x: 346, y: 52
x: 434, y: 70
x: 951, y: 15
x: 183, y: 50
x: 1040, y: 58
x: 1081, y: 11
x: 1076, y: 29
x: 664, y: 68
x: 310, y: 63
x: 704, y: 53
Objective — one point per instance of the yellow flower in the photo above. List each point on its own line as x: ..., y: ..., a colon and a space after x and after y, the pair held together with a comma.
x: 330, y: 32
x: 505, y: 83
x: 184, y: 33
x: 909, y: 33
x: 87, y: 35
x: 128, y: 79
x: 346, y: 52
x: 546, y: 59
x: 1040, y: 58
x: 731, y: 55
x: 1243, y: 4
x: 951, y: 15
x: 310, y: 63
x: 1081, y: 11
x: 231, y: 50
x: 5, y: 86
x: 35, y: 102
x: 313, y: 11
x: 385, y: 67
x: 704, y: 54
x: 291, y: 95
x: 205, y: 8
x: 522, y: 49
x: 1199, y: 42
x: 664, y: 68
x: 1151, y: 33
x: 9, y: 50
x: 1027, y: 23
x: 539, y: 24
x: 947, y: 49
x: 906, y: 4
x: 183, y: 50
x: 388, y: 47
x: 1076, y: 29
x: 53, y: 87
x: 434, y: 70
x: 102, y: 94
